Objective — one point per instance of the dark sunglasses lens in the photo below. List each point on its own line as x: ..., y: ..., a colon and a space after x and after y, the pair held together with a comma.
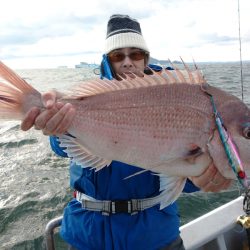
x: 137, y: 55
x: 116, y: 57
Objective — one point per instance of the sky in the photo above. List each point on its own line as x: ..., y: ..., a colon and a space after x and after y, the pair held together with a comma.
x: 52, y: 33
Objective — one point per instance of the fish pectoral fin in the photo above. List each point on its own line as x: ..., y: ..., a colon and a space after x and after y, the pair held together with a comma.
x: 200, y: 161
x: 171, y: 188
x: 191, y: 165
x: 80, y: 154
x: 194, y: 151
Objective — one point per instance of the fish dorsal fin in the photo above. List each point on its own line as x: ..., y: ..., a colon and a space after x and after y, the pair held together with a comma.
x: 132, y: 81
x: 187, y: 75
x: 81, y: 155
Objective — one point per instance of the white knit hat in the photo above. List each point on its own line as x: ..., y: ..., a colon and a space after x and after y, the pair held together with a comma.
x: 122, y: 32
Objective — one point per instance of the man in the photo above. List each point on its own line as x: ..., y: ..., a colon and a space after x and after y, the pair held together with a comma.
x: 103, y: 215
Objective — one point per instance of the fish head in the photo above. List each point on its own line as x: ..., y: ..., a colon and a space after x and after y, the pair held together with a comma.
x: 236, y: 119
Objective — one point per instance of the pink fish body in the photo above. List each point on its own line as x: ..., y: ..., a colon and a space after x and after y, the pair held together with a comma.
x: 160, y: 122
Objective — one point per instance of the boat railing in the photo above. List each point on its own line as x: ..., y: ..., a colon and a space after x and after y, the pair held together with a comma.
x: 50, y: 233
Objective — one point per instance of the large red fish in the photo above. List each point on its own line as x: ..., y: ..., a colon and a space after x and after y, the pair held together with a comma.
x: 160, y: 122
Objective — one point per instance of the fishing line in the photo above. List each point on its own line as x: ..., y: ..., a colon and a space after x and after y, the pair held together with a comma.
x: 241, y: 73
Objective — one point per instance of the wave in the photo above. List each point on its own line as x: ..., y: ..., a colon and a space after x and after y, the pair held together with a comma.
x: 18, y: 144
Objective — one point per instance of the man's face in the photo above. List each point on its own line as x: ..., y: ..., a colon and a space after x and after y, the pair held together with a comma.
x: 127, y: 60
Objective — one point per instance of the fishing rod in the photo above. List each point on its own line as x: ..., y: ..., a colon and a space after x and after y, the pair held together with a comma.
x: 243, y: 220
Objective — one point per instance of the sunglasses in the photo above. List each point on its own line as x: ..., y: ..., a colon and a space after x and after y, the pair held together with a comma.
x: 119, y: 56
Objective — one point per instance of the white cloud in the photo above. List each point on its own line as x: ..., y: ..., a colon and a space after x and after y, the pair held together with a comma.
x: 60, y: 32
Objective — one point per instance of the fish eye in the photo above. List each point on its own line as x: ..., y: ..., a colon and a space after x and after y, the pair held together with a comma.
x: 246, y: 132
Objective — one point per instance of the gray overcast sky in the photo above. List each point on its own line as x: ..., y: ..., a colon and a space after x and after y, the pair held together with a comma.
x: 51, y: 33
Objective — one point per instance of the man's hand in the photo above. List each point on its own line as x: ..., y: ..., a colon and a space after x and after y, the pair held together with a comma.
x: 54, y: 120
x: 211, y: 180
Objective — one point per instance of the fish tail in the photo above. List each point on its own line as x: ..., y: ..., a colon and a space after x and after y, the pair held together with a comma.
x: 16, y: 95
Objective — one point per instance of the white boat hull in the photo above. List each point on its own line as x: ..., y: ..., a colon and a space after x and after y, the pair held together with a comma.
x: 216, y: 230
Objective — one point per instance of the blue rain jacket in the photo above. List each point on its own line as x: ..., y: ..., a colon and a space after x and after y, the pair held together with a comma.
x: 150, y: 229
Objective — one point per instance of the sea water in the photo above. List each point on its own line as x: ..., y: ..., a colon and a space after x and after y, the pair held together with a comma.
x: 34, y: 182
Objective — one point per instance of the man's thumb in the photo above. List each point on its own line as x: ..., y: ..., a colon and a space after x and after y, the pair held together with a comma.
x: 49, y: 99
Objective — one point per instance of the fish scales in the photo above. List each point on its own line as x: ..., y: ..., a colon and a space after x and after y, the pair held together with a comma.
x: 149, y: 120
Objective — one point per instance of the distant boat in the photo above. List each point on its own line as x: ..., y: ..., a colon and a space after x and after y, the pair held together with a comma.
x: 177, y: 62
x: 86, y: 65
x: 62, y: 67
